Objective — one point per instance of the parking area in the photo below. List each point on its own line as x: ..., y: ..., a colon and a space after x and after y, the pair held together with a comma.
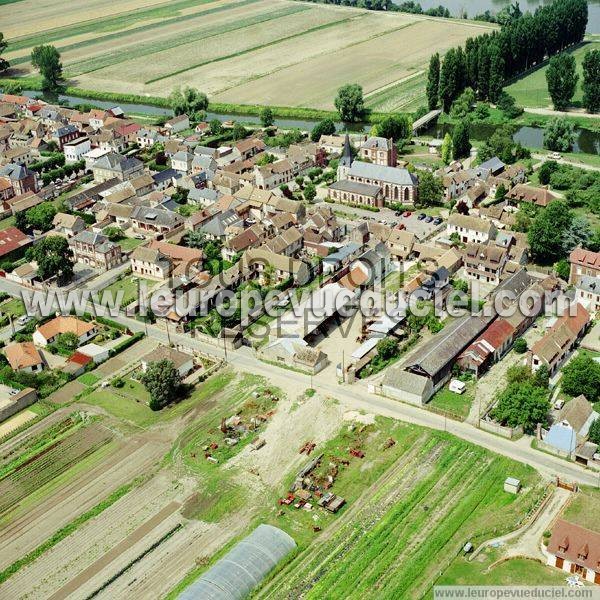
x: 419, y: 223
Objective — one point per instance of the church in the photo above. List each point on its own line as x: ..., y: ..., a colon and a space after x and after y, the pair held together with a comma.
x: 368, y: 183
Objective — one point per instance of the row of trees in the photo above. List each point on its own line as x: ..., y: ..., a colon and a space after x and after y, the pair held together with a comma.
x: 562, y: 79
x: 488, y: 60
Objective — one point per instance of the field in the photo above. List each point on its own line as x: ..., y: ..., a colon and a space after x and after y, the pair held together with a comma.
x: 532, y: 90
x: 277, y: 52
x: 411, y: 525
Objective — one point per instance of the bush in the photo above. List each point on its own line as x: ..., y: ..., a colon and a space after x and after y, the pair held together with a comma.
x: 117, y: 382
x: 520, y: 346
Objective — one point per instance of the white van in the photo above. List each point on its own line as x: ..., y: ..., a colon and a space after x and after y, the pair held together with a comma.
x: 458, y: 387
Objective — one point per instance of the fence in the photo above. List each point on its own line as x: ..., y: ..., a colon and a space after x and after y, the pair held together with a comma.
x: 509, y: 433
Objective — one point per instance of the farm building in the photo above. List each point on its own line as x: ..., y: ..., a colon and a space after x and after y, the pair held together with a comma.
x: 236, y: 574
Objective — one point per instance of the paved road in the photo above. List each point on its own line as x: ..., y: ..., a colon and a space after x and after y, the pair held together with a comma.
x: 357, y: 397
x: 563, y: 161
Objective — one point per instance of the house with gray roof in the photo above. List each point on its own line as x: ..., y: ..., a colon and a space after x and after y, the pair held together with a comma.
x: 96, y: 250
x: 113, y: 165
x: 155, y: 219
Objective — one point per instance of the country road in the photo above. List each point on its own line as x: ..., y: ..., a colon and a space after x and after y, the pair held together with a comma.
x: 356, y: 396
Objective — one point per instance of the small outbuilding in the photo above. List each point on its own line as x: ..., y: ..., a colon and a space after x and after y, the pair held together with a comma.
x: 512, y: 485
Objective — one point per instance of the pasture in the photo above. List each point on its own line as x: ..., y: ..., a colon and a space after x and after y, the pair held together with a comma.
x: 531, y: 90
x: 277, y: 52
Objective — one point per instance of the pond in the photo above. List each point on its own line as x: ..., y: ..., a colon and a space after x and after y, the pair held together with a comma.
x: 586, y: 141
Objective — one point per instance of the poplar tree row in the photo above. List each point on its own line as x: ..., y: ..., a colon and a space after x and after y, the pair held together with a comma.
x: 487, y: 61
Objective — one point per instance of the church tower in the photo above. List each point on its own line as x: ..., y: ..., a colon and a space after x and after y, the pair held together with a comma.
x: 345, y: 161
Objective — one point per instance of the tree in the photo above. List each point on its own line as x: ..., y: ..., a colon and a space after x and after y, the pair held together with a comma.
x: 463, y: 105
x: 520, y: 346
x: 562, y: 79
x: 54, y: 258
x: 579, y: 233
x: 4, y: 64
x: 522, y: 404
x: 591, y: 80
x: 238, y: 132
x: 546, y: 233
x: 496, y: 75
x: 195, y: 239
x: 216, y: 127
x: 541, y: 378
x: 431, y: 190
x: 310, y: 192
x: 387, y: 348
x: 395, y: 126
x: 594, y: 431
x: 433, y: 81
x: 163, y: 382
x: 189, y: 101
x: 582, y: 376
x: 448, y: 80
x: 67, y: 341
x: 546, y: 170
x: 46, y: 59
x: 447, y: 149
x: 500, y: 192
x: 265, y: 159
x: 266, y: 117
x: 324, y: 127
x: 461, y: 146
x: 508, y: 105
x: 559, y: 135
x: 349, y: 102
x: 113, y: 233
x: 37, y: 217
x: 563, y: 269
x: 12, y: 87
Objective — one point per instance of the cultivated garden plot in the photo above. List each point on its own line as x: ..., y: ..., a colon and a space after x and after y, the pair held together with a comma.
x: 409, y: 529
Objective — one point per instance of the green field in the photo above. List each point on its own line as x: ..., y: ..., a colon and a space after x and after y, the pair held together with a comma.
x: 532, y: 90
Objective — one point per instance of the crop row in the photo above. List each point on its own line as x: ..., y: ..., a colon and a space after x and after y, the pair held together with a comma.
x: 49, y: 464
x: 144, y: 49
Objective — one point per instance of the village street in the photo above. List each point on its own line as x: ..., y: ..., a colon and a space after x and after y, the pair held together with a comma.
x: 357, y: 397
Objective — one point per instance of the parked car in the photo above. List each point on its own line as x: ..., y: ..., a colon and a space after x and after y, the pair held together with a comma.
x: 421, y: 216
x: 23, y: 320
x: 554, y: 156
x: 457, y: 386
x: 428, y: 219
x: 407, y: 213
x: 437, y: 220
x: 559, y: 404
x: 397, y: 213
x: 138, y: 236
x: 401, y: 226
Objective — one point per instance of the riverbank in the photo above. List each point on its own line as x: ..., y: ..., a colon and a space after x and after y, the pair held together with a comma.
x: 254, y: 110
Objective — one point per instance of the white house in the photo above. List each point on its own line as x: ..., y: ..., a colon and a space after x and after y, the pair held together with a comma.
x: 48, y: 332
x: 470, y: 229
x: 75, y: 150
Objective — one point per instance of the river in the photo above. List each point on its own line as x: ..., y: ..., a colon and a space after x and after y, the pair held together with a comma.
x: 587, y: 141
x: 474, y: 7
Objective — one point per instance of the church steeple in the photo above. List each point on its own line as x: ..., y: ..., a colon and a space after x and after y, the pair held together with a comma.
x: 345, y: 161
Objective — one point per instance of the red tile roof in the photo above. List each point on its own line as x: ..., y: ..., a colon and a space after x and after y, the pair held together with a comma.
x: 585, y: 258
x: 12, y: 238
x: 577, y: 544
x: 497, y: 333
x: 80, y: 358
